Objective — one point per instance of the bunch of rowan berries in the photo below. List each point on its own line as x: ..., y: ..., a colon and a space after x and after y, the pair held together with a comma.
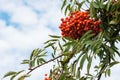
x: 78, y: 23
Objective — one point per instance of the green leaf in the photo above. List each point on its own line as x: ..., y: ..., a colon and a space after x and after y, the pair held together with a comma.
x: 92, y: 10
x: 67, y: 8
x: 60, y: 46
x: 113, y: 63
x: 101, y: 4
x: 19, y: 72
x: 63, y: 39
x: 51, y: 40
x: 108, y: 4
x: 53, y: 55
x: 50, y: 44
x: 68, y: 43
x: 83, y: 60
x: 63, y: 5
x: 74, y: 68
x: 78, y: 73
x: 71, y: 0
x: 62, y: 77
x: 113, y: 8
x: 9, y: 74
x: 54, y: 36
x: 108, y: 72
x: 32, y: 63
x: 12, y: 77
x: 25, y: 62
x: 97, y: 51
x: 69, y: 39
x: 80, y: 4
x: 54, y: 50
x: 89, y: 65
x: 88, y: 34
x: 111, y: 50
x: 16, y: 74
x: 42, y: 54
x: 31, y: 56
x: 36, y: 53
x: 88, y: 1
x: 95, y: 4
x: 96, y: 45
x: 42, y: 60
x: 82, y: 78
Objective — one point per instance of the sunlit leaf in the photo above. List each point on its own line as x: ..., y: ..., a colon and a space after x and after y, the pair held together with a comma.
x: 23, y: 77
x: 17, y: 73
x: 113, y: 22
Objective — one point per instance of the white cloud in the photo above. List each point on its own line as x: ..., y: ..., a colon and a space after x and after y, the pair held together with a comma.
x: 34, y: 29
x: 24, y: 16
x: 3, y: 45
x: 16, y: 38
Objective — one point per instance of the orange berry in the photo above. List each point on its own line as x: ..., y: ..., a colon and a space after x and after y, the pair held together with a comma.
x: 45, y: 78
x: 75, y: 25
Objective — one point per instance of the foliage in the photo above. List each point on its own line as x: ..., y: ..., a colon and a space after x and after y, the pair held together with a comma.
x: 73, y: 56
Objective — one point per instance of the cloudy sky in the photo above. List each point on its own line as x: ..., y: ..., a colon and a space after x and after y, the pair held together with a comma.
x: 25, y: 25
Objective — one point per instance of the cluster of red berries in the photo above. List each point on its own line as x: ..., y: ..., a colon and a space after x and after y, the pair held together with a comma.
x: 78, y: 23
x: 47, y: 78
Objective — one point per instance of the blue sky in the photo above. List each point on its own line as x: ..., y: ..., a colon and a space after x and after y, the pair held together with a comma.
x: 25, y: 25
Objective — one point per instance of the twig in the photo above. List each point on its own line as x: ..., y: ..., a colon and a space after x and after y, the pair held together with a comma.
x: 102, y: 69
x: 45, y: 63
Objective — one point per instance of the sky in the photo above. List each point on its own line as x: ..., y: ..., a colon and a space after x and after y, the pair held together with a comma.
x: 24, y: 26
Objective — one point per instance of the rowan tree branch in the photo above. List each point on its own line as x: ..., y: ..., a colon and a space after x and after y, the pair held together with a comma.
x: 30, y: 70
